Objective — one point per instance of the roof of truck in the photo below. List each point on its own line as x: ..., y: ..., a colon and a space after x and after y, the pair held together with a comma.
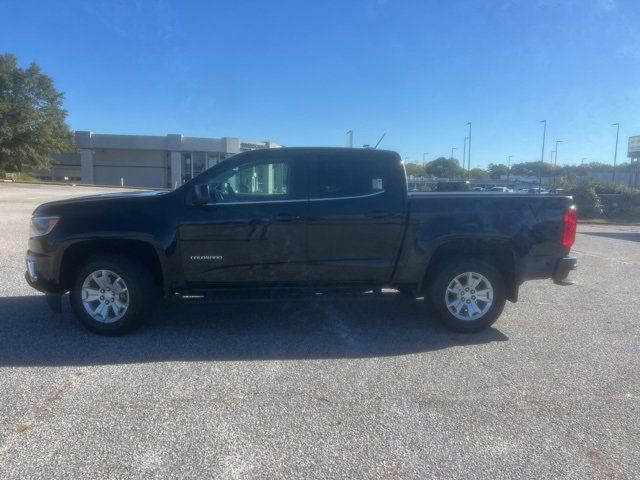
x: 343, y: 151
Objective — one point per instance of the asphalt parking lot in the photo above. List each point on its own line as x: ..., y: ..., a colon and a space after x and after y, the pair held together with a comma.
x: 326, y: 390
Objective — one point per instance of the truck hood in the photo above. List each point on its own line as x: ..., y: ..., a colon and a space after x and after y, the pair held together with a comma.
x: 104, y: 199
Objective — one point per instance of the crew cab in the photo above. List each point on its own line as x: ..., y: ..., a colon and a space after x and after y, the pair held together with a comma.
x: 298, y: 219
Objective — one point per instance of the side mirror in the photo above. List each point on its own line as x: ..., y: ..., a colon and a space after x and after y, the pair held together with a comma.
x: 201, y: 194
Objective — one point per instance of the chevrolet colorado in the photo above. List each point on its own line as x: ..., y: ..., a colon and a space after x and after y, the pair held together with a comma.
x: 311, y: 219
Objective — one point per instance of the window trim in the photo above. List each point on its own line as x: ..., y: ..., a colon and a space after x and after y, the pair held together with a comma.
x: 349, y: 197
x: 320, y: 199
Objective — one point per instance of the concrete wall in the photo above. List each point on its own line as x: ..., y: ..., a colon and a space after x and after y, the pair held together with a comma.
x: 140, y: 160
x: 140, y: 168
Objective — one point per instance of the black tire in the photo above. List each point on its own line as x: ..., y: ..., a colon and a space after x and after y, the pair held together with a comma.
x: 437, y: 294
x: 140, y: 291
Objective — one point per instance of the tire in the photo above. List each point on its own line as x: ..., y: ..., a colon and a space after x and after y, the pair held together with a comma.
x: 477, y: 312
x: 129, y: 299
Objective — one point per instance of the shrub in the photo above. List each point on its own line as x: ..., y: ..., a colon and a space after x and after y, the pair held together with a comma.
x: 587, y: 200
x: 20, y: 177
x: 602, y: 199
x: 629, y: 203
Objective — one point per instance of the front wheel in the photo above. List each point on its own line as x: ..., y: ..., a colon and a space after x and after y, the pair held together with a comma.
x: 111, y: 294
x: 469, y: 295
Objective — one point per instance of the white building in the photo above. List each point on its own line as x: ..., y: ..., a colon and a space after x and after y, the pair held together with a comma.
x: 143, y: 160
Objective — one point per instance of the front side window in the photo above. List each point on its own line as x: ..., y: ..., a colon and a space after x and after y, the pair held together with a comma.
x: 347, y: 177
x: 255, y: 182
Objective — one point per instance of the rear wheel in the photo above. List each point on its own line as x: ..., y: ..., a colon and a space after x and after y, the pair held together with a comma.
x: 112, y: 293
x: 468, y: 295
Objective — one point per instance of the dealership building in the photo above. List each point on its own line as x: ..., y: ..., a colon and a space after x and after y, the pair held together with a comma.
x: 142, y: 160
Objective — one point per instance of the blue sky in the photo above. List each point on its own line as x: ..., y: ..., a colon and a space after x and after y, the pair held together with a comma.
x: 304, y: 72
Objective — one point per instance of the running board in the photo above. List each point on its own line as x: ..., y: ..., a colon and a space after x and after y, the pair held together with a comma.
x: 236, y: 297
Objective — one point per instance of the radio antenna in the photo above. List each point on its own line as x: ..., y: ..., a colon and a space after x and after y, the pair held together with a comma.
x: 380, y: 140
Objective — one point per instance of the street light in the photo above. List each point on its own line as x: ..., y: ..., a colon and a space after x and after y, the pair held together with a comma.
x: 615, y: 154
x: 555, y: 163
x: 469, y: 155
x: 424, y: 155
x: 452, y: 149
x: 464, y: 154
x: 508, y: 168
x: 544, y: 136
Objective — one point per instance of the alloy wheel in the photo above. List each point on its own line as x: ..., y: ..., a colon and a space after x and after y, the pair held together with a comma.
x: 105, y: 296
x: 469, y: 296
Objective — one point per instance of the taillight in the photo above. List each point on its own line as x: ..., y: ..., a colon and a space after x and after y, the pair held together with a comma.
x: 570, y: 224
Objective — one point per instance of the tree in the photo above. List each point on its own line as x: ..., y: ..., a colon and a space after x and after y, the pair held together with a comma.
x: 496, y: 170
x: 479, y: 174
x: 532, y: 169
x: 445, y: 168
x: 414, y: 169
x: 32, y: 120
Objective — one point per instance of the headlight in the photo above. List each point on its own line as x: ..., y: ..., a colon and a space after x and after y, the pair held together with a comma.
x: 42, y: 225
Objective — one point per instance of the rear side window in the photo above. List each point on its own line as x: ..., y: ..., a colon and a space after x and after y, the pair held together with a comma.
x: 347, y: 177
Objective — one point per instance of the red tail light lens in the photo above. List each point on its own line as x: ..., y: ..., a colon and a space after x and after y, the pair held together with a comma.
x: 570, y: 225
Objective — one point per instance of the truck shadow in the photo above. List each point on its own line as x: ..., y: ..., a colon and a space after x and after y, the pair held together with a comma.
x: 31, y: 335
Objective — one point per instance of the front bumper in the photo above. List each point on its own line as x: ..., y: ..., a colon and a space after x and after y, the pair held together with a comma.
x: 563, y: 267
x: 39, y: 273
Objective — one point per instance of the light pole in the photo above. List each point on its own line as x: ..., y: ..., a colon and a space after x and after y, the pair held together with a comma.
x: 615, y: 153
x: 544, y: 136
x: 464, y: 154
x: 424, y: 155
x: 452, y: 149
x: 555, y: 162
x: 508, y: 168
x: 469, y: 154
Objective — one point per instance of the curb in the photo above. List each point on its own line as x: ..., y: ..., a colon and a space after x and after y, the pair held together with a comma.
x: 80, y: 185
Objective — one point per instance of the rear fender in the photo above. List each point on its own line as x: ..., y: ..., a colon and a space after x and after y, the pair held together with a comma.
x: 496, y: 250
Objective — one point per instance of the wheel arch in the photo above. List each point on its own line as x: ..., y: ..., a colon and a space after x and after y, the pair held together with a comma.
x: 79, y: 252
x: 496, y: 251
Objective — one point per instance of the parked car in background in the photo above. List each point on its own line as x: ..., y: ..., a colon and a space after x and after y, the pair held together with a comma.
x: 453, y: 186
x: 500, y: 189
x: 537, y: 190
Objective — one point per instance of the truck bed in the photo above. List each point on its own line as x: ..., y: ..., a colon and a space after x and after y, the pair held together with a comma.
x: 524, y: 228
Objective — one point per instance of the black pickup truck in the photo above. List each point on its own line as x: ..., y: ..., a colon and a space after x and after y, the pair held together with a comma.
x: 318, y: 220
